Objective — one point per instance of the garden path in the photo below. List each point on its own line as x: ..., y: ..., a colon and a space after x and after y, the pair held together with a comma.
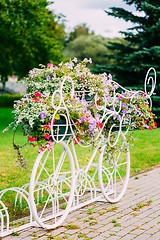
x: 136, y: 216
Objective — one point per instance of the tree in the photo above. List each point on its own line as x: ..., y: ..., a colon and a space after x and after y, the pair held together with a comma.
x: 79, y: 30
x: 29, y: 35
x: 90, y: 46
x: 142, y: 49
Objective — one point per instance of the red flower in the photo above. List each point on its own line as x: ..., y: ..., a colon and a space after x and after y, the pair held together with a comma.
x: 31, y: 139
x: 77, y: 141
x: 37, y: 94
x: 155, y: 125
x: 51, y: 121
x: 47, y: 127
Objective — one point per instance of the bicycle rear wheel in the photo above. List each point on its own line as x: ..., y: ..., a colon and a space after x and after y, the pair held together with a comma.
x: 113, y: 172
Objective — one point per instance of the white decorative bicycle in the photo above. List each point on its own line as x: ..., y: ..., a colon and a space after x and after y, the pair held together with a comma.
x: 58, y: 175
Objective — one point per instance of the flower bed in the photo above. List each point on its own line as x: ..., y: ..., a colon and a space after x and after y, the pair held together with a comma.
x: 94, y: 104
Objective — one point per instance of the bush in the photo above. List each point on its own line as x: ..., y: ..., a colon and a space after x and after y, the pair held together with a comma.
x: 7, y: 100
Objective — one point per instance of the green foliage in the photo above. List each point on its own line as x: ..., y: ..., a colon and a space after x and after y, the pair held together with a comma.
x: 113, y: 221
x: 90, y: 210
x: 117, y: 225
x: 29, y: 36
x: 7, y: 100
x: 72, y: 226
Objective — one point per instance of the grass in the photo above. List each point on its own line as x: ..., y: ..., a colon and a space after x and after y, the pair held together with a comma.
x: 146, y: 152
x: 144, y: 155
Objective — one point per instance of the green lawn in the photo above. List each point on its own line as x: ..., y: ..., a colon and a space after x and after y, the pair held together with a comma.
x: 144, y: 155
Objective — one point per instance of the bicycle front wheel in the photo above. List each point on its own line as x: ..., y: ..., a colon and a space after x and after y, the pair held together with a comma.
x: 114, y: 171
x: 52, y: 186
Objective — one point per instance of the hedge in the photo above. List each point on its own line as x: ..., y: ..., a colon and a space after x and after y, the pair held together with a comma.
x: 7, y: 100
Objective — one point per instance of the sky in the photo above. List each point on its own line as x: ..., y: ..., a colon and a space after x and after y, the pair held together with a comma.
x: 92, y: 13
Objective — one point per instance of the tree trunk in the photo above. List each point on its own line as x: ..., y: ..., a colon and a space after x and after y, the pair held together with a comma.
x: 4, y: 79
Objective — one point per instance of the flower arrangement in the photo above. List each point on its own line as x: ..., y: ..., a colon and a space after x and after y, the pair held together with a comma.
x: 110, y: 105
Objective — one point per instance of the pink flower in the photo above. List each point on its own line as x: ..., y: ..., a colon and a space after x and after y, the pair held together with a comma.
x: 42, y: 148
x: 50, y: 65
x: 37, y: 94
x: 150, y: 128
x: 47, y: 136
x: 31, y: 139
x: 35, y: 99
x: 100, y: 125
x: 34, y: 145
x: 49, y: 147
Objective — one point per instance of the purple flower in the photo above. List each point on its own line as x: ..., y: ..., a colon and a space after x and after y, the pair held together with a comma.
x: 69, y: 65
x: 80, y: 120
x: 90, y: 60
x: 54, y: 75
x: 123, y: 94
x: 112, y: 109
x: 92, y: 125
x: 97, y: 116
x: 119, y: 99
x: 84, y: 119
x: 124, y: 105
x: 43, y: 115
x: 124, y: 111
x: 32, y: 72
x: 82, y: 142
x: 74, y: 60
x: 118, y: 117
x: 48, y: 78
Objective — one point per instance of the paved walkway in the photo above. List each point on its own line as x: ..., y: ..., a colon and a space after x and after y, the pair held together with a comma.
x: 136, y: 216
